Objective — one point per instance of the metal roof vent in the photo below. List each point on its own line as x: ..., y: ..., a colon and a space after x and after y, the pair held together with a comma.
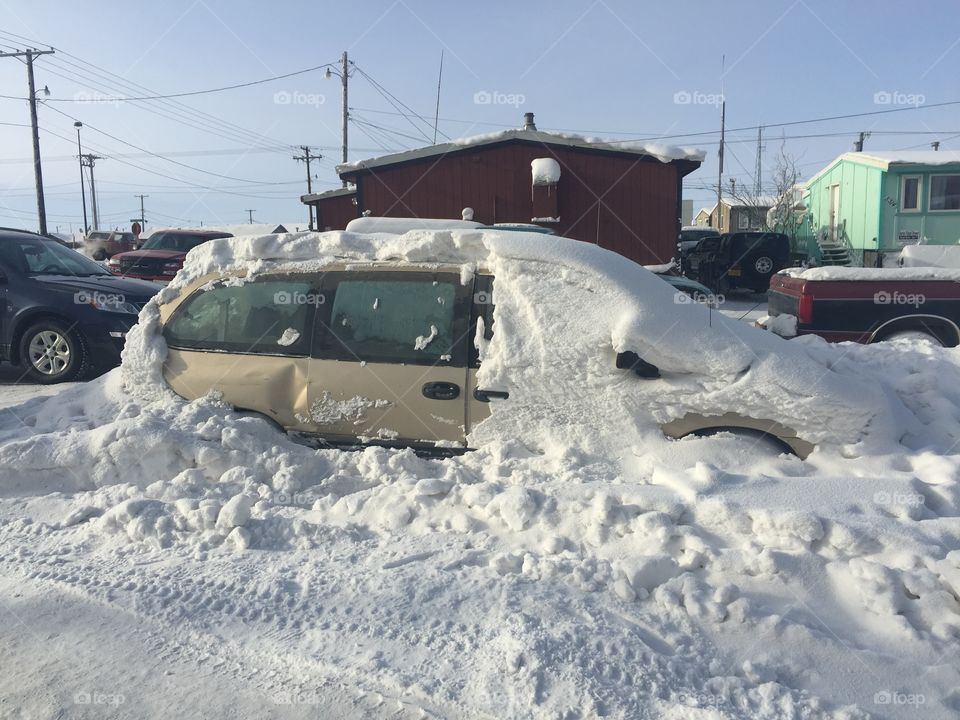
x: 528, y: 122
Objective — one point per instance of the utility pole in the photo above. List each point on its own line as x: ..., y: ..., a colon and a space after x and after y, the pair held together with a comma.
x: 83, y: 192
x: 30, y: 54
x: 436, y: 115
x: 143, y: 221
x: 935, y: 145
x: 723, y: 120
x: 858, y: 144
x: 757, y: 185
x: 307, y: 157
x: 250, y: 214
x: 90, y: 162
x: 344, y: 78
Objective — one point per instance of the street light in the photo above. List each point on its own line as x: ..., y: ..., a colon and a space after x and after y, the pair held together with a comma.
x: 83, y: 192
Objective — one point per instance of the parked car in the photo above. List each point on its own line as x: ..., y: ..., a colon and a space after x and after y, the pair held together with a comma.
x: 161, y: 256
x: 62, y: 316
x: 691, y: 288
x: 328, y: 352
x: 866, y: 305
x: 104, y: 244
x: 689, y: 236
x: 738, y: 260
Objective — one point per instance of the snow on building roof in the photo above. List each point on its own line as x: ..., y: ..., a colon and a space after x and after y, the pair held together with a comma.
x: 883, y: 159
x: 663, y: 153
x: 313, y: 197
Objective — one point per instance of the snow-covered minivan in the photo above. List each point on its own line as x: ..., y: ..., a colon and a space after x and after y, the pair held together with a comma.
x: 436, y: 339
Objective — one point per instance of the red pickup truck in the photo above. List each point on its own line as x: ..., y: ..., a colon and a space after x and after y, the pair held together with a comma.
x: 866, y: 305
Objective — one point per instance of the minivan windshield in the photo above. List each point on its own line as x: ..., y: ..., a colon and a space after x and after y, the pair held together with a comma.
x: 37, y: 256
x: 175, y: 241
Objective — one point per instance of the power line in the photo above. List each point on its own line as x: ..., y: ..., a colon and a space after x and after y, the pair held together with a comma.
x: 202, y: 92
x: 161, y: 157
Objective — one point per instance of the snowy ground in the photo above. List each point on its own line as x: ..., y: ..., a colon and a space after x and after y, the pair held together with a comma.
x: 160, y: 558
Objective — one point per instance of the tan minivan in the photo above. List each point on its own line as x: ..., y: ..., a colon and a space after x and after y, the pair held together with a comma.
x: 374, y: 352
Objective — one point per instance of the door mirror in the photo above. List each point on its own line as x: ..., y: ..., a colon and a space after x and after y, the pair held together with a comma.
x: 629, y: 360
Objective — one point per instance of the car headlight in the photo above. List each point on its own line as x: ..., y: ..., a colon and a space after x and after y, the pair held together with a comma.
x: 111, y: 303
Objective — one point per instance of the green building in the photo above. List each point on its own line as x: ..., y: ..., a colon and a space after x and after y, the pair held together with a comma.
x: 867, y: 204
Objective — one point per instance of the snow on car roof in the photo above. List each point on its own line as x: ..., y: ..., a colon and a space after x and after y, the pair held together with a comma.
x: 874, y: 274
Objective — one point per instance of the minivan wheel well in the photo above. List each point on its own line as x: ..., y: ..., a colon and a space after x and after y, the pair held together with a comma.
x: 759, y: 435
x: 941, y: 328
x: 244, y: 412
x: 28, y: 320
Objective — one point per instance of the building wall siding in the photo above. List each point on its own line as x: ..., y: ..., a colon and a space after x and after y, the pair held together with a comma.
x: 625, y: 203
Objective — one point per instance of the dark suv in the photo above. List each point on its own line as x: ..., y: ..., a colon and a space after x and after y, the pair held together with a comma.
x: 161, y: 256
x: 62, y: 316
x: 738, y: 260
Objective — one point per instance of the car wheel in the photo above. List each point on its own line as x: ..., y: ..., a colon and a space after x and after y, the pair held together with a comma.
x: 914, y: 336
x: 101, y: 255
x: 763, y: 265
x: 52, y: 353
x: 753, y: 439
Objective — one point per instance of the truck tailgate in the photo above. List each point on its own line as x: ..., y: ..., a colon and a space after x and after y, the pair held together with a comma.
x: 784, y: 295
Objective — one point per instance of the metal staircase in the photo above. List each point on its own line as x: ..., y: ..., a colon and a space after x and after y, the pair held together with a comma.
x: 833, y: 252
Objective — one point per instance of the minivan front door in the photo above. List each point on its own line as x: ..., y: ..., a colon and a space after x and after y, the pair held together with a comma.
x: 390, y: 358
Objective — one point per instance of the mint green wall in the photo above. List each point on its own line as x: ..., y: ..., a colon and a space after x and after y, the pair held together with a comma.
x: 858, y: 221
x: 938, y: 227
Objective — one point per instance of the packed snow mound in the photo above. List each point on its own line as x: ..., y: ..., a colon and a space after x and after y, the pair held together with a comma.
x: 563, y: 310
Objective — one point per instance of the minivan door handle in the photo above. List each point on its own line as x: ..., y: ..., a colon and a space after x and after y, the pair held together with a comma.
x: 441, y: 391
x: 488, y: 395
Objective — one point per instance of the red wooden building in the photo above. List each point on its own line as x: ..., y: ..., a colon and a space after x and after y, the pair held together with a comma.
x: 623, y: 196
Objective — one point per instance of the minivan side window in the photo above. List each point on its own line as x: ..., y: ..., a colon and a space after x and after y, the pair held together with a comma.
x: 272, y: 317
x: 395, y: 317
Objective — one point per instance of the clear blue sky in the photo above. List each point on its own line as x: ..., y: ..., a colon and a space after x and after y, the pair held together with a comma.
x: 609, y: 67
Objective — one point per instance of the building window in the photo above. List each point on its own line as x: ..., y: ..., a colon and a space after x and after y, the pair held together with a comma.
x: 744, y: 219
x: 945, y: 192
x: 910, y: 193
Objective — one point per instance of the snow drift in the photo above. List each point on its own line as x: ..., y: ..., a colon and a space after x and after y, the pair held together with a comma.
x: 577, y: 565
